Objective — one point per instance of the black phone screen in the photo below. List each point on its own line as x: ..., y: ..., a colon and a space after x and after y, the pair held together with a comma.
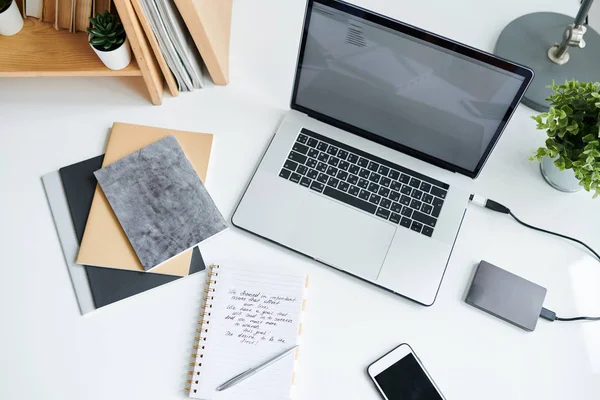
x: 406, y: 380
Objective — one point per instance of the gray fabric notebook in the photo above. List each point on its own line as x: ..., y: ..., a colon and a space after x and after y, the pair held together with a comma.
x: 160, y: 202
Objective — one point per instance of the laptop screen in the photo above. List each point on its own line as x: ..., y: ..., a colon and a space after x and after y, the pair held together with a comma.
x: 404, y: 85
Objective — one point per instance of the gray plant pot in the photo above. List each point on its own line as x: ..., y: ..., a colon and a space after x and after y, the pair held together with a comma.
x: 565, y: 181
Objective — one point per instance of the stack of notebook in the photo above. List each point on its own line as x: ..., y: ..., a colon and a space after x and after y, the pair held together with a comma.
x: 184, y: 36
x: 130, y: 220
x: 171, y: 42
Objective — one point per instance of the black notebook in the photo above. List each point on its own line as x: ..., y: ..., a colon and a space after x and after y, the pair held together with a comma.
x: 108, y: 285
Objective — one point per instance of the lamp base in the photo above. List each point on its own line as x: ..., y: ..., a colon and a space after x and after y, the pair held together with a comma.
x: 527, y: 40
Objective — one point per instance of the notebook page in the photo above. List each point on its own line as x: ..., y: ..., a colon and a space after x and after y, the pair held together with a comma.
x: 255, y: 315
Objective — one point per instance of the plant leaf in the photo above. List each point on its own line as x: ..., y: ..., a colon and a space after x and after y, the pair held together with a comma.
x: 567, y: 109
x: 572, y: 126
x: 96, y: 32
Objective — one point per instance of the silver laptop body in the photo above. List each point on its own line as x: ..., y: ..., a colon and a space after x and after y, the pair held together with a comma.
x: 370, y: 171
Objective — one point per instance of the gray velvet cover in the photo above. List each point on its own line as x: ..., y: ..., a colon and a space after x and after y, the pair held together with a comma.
x: 160, y: 202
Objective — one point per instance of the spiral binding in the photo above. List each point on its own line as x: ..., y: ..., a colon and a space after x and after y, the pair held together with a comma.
x: 202, y: 329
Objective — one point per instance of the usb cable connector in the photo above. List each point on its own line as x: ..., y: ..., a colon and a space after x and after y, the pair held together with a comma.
x: 490, y: 204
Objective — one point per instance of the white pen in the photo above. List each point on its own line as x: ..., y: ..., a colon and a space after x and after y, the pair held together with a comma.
x: 248, y: 373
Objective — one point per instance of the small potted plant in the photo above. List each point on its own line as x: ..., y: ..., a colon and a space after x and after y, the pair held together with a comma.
x: 571, y: 158
x: 11, y: 21
x: 107, y: 38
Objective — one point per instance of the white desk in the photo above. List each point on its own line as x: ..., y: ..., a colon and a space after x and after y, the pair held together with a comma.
x: 139, y: 348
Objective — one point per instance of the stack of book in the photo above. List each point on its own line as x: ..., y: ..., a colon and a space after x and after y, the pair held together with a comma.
x: 72, y: 15
x: 130, y: 220
x: 171, y: 42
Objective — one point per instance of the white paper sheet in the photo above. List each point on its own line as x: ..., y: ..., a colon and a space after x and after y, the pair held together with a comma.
x: 255, y: 315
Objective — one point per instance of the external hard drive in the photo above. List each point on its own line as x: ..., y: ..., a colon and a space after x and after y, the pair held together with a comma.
x: 506, y: 296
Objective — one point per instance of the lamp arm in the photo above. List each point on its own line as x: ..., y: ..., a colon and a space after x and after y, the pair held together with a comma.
x: 573, y: 36
x: 583, y: 12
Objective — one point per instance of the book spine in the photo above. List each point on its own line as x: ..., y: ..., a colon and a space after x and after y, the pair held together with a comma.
x: 202, y: 331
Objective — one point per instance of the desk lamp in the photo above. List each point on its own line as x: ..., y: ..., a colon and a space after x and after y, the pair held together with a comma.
x: 531, y: 40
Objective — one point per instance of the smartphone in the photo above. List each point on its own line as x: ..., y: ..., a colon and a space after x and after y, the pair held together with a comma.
x: 400, y: 375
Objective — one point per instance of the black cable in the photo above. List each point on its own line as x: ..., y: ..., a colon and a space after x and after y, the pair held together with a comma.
x: 554, y: 233
x: 578, y: 319
x: 551, y: 316
x: 495, y: 206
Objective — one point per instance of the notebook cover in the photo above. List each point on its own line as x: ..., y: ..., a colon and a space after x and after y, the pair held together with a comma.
x: 68, y: 240
x: 83, y: 12
x: 104, y: 243
x: 99, y: 6
x: 160, y: 202
x: 63, y: 13
x: 160, y: 58
x: 141, y: 50
x: 34, y: 8
x: 49, y: 11
x: 107, y: 285
x: 209, y: 23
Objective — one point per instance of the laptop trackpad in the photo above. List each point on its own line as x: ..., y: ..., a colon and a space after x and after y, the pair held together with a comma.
x: 342, y: 236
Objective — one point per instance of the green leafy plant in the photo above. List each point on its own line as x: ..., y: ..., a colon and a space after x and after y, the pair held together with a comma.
x: 573, y: 128
x: 4, y: 4
x: 107, y: 32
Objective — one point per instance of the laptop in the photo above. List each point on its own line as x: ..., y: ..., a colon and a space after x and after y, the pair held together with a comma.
x: 370, y: 170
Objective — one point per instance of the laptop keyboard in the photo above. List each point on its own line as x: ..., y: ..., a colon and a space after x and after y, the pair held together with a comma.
x: 376, y: 186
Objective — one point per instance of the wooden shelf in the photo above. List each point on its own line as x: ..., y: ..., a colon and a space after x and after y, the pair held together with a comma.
x: 40, y: 50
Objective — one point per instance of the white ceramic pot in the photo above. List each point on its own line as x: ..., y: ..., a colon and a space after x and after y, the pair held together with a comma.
x: 115, y: 59
x: 565, y: 181
x: 11, y: 21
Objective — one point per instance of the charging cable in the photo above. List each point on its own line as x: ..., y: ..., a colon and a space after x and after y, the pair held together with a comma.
x: 495, y: 206
x: 551, y: 316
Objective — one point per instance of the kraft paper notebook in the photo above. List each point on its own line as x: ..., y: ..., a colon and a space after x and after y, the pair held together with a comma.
x: 107, y: 285
x: 104, y: 242
x: 249, y: 316
x: 160, y: 202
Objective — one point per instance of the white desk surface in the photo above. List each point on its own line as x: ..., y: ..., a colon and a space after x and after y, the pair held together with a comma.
x: 138, y: 349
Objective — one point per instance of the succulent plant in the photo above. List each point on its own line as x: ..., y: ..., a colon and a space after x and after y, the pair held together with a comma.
x: 107, y: 32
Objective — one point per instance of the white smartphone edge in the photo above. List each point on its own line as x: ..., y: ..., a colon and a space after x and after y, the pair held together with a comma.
x: 389, y: 359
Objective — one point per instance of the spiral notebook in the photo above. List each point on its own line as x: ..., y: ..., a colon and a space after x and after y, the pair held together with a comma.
x: 249, y: 316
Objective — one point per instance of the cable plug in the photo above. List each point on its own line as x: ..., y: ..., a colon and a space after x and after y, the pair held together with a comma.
x: 548, y: 314
x: 489, y: 204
